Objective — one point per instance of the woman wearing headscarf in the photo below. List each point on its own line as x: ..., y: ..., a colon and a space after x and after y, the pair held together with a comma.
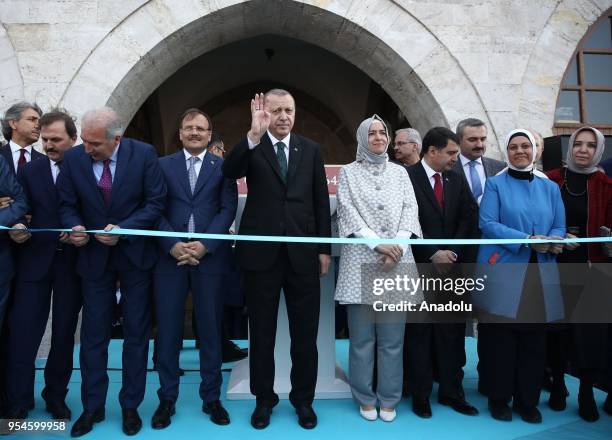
x: 375, y: 200
x: 587, y: 196
x: 521, y: 281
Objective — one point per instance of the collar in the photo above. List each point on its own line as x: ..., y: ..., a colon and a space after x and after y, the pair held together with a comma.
x: 200, y: 156
x: 465, y: 160
x: 113, y: 157
x: 275, y: 141
x: 16, y: 147
x: 429, y: 170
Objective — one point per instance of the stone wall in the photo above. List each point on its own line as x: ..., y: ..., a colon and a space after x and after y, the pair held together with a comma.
x: 501, y: 60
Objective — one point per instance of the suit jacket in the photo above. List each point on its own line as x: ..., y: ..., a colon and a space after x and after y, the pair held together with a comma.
x: 8, y: 155
x: 491, y: 168
x: 299, y: 207
x: 35, y: 256
x: 137, y: 202
x: 452, y: 222
x: 9, y: 216
x: 213, y: 205
x: 513, y: 208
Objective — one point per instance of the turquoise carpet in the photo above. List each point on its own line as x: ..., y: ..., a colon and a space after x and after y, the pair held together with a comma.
x: 337, y: 418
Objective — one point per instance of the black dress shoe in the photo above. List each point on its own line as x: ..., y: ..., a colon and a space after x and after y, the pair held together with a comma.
x: 587, y: 408
x: 163, y: 413
x: 218, y: 414
x: 557, y: 400
x: 231, y: 352
x: 421, y: 407
x: 260, y: 418
x: 459, y: 404
x: 131, y: 421
x: 607, y: 406
x: 529, y: 414
x: 57, y: 408
x: 307, y: 418
x: 85, y: 422
x: 500, y: 410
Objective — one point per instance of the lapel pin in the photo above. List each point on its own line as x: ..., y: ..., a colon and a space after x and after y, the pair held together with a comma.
x: 294, y: 149
x: 212, y: 162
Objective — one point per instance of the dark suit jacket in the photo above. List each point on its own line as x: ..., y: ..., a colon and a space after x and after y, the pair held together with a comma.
x: 8, y: 155
x: 298, y: 208
x: 213, y: 205
x: 453, y: 222
x: 491, y: 168
x: 35, y: 256
x: 137, y: 202
x: 9, y: 216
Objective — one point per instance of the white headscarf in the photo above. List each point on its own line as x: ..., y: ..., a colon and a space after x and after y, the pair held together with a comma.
x: 363, y: 151
x: 592, y: 166
x: 529, y: 136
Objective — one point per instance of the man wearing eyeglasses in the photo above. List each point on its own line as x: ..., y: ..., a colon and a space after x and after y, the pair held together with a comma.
x: 199, y: 200
x: 407, y: 147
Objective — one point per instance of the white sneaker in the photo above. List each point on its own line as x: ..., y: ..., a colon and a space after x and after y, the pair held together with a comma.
x: 388, y: 416
x: 368, y: 414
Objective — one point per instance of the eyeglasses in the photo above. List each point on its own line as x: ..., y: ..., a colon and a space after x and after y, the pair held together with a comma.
x: 196, y: 129
x: 220, y: 149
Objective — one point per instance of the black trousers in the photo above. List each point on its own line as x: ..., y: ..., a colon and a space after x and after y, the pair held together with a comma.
x: 447, y: 343
x: 515, y: 356
x: 302, y: 296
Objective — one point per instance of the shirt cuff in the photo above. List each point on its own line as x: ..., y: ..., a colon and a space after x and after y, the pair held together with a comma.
x: 251, y: 144
x: 404, y: 234
x: 367, y: 233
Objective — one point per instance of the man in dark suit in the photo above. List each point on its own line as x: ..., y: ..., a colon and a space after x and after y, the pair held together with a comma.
x: 476, y: 169
x: 45, y: 263
x: 20, y: 127
x: 287, y: 196
x: 202, y: 200
x: 445, y: 211
x: 12, y: 209
x: 111, y: 182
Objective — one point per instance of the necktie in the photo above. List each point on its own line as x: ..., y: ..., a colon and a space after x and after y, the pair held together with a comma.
x: 57, y: 171
x: 475, y: 179
x: 193, y: 178
x: 22, y: 158
x: 438, y: 190
x: 282, y: 159
x: 105, y: 184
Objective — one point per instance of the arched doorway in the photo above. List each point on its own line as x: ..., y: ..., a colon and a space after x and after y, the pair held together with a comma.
x: 332, y: 96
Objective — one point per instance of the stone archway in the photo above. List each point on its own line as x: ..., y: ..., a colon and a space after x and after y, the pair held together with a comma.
x: 11, y: 88
x: 379, y: 37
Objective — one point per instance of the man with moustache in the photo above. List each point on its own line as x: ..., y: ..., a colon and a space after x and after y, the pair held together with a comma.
x: 200, y: 200
x: 111, y: 182
x: 407, y: 147
x: 45, y: 263
x: 444, y: 212
x: 287, y: 196
x: 20, y: 127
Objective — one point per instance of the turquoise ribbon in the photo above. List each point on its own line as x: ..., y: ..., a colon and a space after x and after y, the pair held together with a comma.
x: 330, y: 240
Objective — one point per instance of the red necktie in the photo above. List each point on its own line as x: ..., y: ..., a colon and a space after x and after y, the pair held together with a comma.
x: 106, y: 182
x: 438, y: 190
x: 22, y: 158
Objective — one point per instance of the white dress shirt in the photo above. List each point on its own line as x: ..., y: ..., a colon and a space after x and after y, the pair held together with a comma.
x: 198, y: 164
x: 98, y: 166
x: 16, y: 152
x: 275, y: 141
x: 55, y: 170
x: 430, y: 174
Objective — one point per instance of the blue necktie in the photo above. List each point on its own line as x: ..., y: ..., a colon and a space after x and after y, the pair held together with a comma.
x: 476, y: 185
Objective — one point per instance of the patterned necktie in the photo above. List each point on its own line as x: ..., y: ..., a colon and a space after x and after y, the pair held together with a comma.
x: 438, y: 190
x: 476, y: 185
x: 22, y: 158
x: 282, y: 159
x: 193, y: 178
x: 105, y: 184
